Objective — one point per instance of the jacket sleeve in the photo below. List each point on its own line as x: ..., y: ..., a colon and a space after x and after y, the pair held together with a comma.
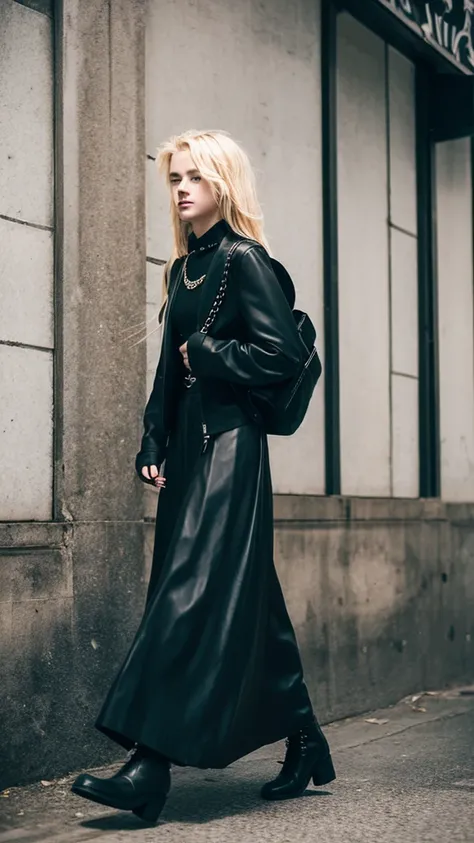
x: 272, y: 351
x: 154, y: 440
x: 155, y: 437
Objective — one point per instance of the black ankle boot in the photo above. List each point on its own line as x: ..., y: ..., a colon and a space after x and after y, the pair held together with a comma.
x: 141, y: 786
x: 307, y: 756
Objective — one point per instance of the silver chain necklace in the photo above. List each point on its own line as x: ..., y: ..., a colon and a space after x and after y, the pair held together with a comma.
x: 191, y: 285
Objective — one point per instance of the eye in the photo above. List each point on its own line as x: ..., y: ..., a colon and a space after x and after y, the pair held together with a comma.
x: 174, y: 181
x: 196, y: 178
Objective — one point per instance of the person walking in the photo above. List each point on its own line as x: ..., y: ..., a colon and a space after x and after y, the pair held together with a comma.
x: 214, y: 671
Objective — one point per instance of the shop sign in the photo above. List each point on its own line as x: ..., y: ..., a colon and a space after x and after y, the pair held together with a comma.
x: 448, y: 24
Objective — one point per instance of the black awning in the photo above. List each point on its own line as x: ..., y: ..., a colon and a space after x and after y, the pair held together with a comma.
x: 439, y: 31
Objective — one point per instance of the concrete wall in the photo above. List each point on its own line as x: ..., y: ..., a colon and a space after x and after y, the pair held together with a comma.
x: 363, y: 272
x: 403, y: 275
x: 72, y: 589
x: 456, y: 319
x: 259, y: 79
x: 381, y: 594
x: 378, y: 265
x: 380, y: 590
x: 26, y: 262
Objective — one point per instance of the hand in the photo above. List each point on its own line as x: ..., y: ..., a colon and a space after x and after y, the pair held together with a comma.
x: 151, y: 473
x: 184, y: 351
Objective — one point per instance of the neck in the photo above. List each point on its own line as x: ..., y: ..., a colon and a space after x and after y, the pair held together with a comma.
x: 199, y: 227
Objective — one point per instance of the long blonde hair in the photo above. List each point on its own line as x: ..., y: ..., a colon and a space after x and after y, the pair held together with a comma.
x: 225, y: 165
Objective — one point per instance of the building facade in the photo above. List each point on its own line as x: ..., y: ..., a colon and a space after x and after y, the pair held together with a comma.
x: 358, y: 119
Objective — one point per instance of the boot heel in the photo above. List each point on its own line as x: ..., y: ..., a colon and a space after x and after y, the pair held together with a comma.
x: 323, y: 771
x: 151, y: 810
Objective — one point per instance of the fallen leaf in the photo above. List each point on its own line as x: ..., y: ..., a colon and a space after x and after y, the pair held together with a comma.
x: 21, y: 813
x: 376, y: 721
x: 416, y: 697
x: 78, y: 814
x: 94, y: 643
x: 418, y: 708
x: 5, y: 794
x: 46, y: 783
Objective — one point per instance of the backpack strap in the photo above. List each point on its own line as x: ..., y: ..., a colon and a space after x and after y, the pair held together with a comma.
x: 242, y: 245
x: 222, y: 289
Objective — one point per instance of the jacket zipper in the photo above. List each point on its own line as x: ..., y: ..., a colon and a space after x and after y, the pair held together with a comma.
x: 206, y: 438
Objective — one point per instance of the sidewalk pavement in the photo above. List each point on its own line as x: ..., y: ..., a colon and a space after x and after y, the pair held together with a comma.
x: 405, y: 775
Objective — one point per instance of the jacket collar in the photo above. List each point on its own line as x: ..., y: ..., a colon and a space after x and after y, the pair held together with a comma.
x: 214, y: 274
x: 212, y: 235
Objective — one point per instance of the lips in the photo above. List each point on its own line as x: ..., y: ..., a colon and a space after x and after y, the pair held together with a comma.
x: 184, y: 204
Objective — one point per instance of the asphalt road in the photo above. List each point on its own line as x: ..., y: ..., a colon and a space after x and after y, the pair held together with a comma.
x: 407, y: 780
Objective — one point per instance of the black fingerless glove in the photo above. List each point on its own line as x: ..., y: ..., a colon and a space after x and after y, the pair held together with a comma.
x: 147, y: 458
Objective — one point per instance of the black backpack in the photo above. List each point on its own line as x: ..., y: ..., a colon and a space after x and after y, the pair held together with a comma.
x: 281, y: 406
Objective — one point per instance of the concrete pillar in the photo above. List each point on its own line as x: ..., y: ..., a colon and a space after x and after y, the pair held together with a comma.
x: 101, y: 376
x: 72, y: 588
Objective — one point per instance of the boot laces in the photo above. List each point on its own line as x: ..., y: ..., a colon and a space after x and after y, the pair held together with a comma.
x: 298, y: 740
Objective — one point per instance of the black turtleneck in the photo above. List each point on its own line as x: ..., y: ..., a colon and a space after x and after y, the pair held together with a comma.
x: 184, y: 313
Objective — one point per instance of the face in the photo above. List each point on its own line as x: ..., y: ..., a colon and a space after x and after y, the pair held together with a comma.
x: 192, y: 194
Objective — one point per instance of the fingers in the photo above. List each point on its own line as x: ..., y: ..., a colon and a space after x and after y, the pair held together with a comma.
x: 184, y: 352
x: 151, y: 473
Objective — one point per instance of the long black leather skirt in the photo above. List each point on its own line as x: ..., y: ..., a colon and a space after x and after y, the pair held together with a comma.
x: 214, y: 671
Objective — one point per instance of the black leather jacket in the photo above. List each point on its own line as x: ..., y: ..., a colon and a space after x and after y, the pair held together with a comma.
x: 254, y: 342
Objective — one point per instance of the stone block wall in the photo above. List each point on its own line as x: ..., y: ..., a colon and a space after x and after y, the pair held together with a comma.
x: 72, y: 385
x: 26, y: 260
